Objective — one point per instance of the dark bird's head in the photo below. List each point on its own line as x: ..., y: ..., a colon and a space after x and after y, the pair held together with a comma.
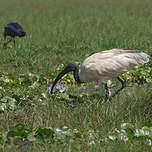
x: 71, y: 67
x: 22, y: 34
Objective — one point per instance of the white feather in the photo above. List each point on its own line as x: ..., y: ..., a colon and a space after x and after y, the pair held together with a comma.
x: 110, y: 64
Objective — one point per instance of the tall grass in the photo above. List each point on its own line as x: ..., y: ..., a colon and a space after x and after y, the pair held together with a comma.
x: 63, y: 31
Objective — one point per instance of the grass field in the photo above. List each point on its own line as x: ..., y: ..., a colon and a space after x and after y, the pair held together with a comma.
x: 59, y: 32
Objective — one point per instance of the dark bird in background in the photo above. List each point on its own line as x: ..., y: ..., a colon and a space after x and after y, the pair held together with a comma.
x: 13, y: 30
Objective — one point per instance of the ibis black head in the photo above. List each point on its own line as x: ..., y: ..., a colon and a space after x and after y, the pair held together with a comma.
x: 71, y: 67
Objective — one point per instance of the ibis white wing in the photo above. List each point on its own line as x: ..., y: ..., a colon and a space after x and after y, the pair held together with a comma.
x: 110, y: 64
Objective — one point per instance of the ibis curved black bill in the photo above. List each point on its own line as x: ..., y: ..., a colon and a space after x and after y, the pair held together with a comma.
x: 72, y: 67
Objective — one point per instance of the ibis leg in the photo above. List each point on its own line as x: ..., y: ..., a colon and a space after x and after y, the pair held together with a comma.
x: 14, y: 42
x: 123, y: 85
x: 5, y: 43
x: 107, y: 97
x: 4, y: 36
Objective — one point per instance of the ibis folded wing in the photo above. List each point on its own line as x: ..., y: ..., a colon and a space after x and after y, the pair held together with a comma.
x: 110, y: 64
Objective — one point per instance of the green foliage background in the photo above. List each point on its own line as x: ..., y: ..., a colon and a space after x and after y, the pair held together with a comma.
x: 59, y: 32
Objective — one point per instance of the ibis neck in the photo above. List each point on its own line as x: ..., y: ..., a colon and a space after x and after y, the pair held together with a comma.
x: 76, y: 75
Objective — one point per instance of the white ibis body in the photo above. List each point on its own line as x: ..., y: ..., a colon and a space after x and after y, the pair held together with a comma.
x: 104, y: 66
x: 13, y: 30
